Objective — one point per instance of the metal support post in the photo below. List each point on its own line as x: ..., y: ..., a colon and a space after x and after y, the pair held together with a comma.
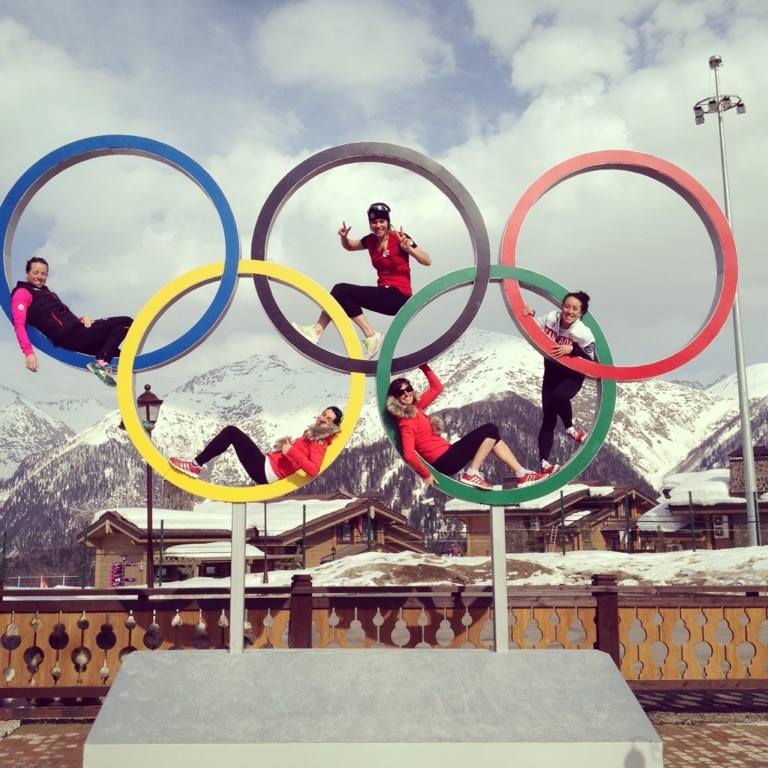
x: 499, y: 568
x: 237, y: 580
x: 691, y: 520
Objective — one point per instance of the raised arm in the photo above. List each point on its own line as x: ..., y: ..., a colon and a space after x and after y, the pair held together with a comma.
x: 349, y: 243
x: 413, y: 250
x: 435, y: 387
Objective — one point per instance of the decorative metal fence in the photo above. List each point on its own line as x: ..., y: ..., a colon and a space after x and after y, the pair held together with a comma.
x: 70, y: 644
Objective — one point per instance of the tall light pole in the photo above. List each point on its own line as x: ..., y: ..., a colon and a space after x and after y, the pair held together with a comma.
x: 149, y: 408
x: 719, y: 104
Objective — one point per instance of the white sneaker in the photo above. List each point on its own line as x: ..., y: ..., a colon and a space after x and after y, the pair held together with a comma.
x: 308, y: 332
x: 371, y: 344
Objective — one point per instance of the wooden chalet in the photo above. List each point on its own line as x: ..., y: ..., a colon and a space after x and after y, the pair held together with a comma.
x: 589, y: 517
x: 708, y: 509
x: 297, y: 532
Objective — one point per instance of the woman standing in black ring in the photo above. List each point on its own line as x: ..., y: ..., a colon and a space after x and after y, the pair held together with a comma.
x: 390, y: 251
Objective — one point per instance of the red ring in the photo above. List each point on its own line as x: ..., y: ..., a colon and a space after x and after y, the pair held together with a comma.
x: 693, y: 193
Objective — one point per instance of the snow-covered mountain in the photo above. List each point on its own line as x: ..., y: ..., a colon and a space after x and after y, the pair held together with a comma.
x: 26, y: 427
x: 65, y: 474
x: 657, y: 423
x: 757, y: 384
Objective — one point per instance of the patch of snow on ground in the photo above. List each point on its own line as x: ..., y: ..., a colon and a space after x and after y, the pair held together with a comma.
x: 725, y: 567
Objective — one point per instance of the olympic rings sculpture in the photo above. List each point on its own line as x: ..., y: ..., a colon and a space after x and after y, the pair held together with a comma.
x: 694, y: 194
x: 506, y: 273
x: 403, y: 158
x: 79, y: 151
x: 606, y: 388
x: 141, y: 326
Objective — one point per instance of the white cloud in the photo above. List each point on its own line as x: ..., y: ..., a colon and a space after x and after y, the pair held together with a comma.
x: 565, y: 57
x: 593, y: 77
x: 362, y: 49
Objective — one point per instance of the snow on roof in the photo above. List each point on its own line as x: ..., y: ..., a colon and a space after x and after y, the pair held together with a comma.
x: 706, y: 488
x: 210, y: 550
x: 568, y: 490
x: 217, y: 515
x: 285, y: 515
x: 661, y: 518
x: 574, y: 517
x: 456, y: 505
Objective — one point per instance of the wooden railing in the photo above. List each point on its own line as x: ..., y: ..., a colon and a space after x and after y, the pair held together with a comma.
x: 70, y: 643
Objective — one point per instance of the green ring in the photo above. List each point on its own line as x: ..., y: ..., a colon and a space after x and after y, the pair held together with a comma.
x: 606, y: 388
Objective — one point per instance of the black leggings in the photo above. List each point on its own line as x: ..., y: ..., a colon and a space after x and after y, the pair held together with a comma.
x: 460, y: 453
x: 378, y: 298
x: 102, y: 339
x: 247, y: 451
x: 556, y: 401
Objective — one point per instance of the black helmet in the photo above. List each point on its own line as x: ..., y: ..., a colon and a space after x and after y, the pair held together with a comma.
x: 378, y: 211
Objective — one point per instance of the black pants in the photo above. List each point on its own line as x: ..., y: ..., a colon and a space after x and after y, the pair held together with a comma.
x: 556, y: 401
x: 377, y: 298
x: 102, y: 339
x: 247, y: 451
x: 460, y: 453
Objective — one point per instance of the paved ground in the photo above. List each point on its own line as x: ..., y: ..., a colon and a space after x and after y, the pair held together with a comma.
x: 44, y: 745
x: 713, y: 745
x: 741, y: 741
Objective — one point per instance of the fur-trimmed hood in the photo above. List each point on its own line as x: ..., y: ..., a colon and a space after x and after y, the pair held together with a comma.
x: 315, y: 433
x: 321, y: 431
x: 400, y: 411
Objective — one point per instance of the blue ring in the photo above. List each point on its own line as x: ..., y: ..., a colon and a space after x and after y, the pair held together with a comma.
x: 78, y: 151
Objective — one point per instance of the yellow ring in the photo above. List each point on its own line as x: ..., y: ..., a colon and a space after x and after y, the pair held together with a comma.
x: 140, y: 327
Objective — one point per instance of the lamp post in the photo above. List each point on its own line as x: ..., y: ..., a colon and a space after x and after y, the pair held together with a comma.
x: 719, y: 104
x: 148, y: 404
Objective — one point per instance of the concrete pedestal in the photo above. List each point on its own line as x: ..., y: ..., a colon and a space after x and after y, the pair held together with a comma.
x: 371, y: 708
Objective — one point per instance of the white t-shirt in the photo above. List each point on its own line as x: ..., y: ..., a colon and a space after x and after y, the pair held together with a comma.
x: 578, y: 333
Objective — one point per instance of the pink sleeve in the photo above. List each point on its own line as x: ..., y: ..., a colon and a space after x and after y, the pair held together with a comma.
x: 20, y: 303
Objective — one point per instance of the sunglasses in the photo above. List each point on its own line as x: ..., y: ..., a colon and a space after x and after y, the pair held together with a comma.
x: 404, y: 390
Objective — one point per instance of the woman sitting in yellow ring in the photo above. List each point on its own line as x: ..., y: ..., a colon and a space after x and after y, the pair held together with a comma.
x: 306, y: 452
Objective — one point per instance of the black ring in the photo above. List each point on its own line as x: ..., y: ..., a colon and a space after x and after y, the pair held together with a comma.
x: 392, y: 154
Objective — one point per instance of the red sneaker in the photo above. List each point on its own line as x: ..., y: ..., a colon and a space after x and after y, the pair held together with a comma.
x: 550, y: 470
x: 530, y: 477
x: 189, y: 468
x: 579, y: 435
x: 476, y: 480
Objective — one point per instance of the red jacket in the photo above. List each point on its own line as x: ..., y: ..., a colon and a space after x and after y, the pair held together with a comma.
x: 416, y: 433
x: 304, y: 453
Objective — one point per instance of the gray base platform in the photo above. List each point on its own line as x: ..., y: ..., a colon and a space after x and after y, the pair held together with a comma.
x: 371, y: 708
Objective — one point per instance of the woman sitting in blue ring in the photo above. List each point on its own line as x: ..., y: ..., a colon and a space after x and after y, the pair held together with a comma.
x: 34, y: 303
x: 389, y: 250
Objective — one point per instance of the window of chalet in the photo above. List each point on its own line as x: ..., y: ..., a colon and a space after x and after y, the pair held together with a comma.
x: 344, y: 531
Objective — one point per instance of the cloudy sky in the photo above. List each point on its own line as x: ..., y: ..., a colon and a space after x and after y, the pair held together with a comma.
x: 496, y: 91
